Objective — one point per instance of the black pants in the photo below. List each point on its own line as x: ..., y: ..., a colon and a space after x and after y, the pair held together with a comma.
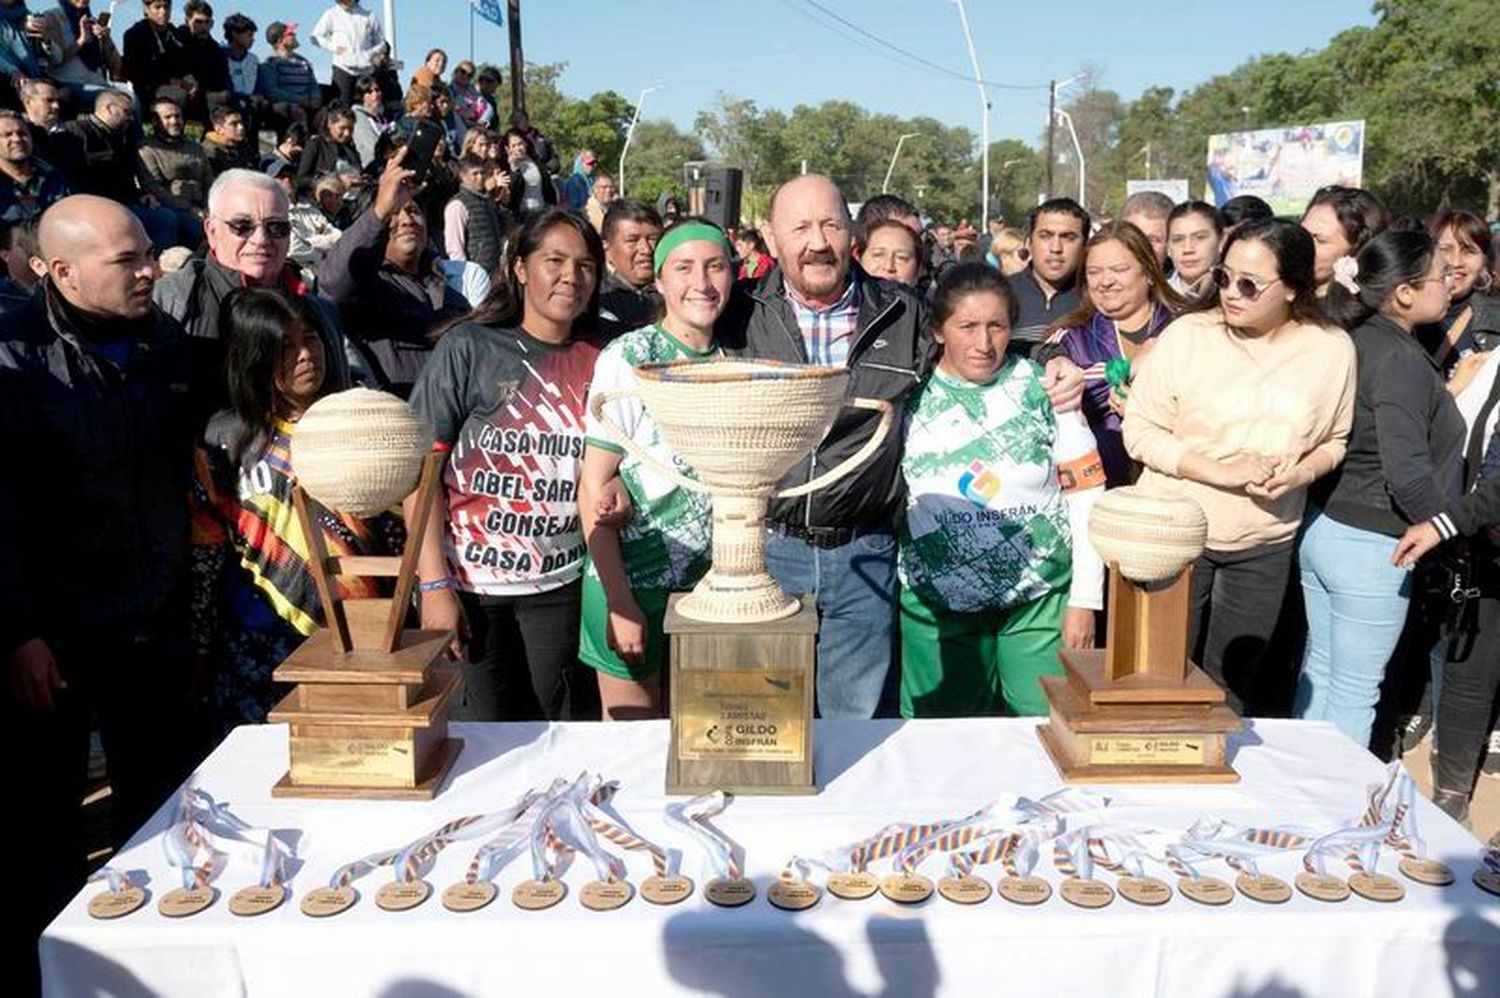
x: 343, y: 82
x: 1466, y: 705
x: 523, y: 659
x: 153, y: 730
x: 1236, y: 598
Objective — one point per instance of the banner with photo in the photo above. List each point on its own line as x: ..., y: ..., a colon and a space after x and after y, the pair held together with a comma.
x: 1285, y: 166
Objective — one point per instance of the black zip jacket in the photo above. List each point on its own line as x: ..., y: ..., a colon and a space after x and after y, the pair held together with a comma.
x: 95, y: 460
x: 889, y: 358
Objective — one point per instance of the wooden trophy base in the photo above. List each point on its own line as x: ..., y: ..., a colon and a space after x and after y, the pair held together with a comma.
x: 368, y: 724
x: 741, y: 699
x: 1139, y: 729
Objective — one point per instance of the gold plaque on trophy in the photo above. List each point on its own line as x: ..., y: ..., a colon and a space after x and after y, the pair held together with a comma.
x: 742, y: 714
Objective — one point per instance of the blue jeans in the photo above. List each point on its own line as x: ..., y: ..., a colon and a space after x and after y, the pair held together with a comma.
x: 1356, y: 608
x: 855, y: 587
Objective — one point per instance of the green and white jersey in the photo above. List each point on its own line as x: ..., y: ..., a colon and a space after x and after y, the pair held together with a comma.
x: 666, y: 543
x: 986, y: 524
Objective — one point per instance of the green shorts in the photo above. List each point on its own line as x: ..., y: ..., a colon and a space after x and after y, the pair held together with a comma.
x: 593, y: 641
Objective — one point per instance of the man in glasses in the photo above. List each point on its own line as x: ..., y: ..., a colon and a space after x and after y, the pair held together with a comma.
x: 389, y: 283
x: 249, y: 230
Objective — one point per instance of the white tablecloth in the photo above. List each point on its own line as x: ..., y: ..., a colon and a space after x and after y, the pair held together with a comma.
x: 1436, y: 942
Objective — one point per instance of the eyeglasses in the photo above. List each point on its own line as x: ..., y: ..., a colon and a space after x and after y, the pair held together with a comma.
x: 244, y: 228
x: 1248, y: 287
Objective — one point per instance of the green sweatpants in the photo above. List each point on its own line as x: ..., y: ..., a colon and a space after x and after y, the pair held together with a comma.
x: 593, y: 641
x: 970, y: 664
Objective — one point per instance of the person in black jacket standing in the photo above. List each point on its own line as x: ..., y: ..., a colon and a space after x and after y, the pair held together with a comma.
x: 98, y: 415
x: 839, y: 543
x: 1403, y: 464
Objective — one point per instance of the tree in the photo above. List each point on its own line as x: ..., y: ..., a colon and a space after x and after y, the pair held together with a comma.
x: 654, y: 165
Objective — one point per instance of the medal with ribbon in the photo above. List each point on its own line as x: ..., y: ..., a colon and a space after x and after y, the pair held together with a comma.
x: 1404, y: 837
x: 1123, y: 854
x: 727, y: 887
x: 907, y: 886
x: 190, y: 849
x: 1071, y: 858
x: 477, y: 888
x: 339, y: 894
x: 1192, y: 883
x: 666, y: 884
x: 1240, y: 847
x: 610, y: 889
x: 120, y: 898
x: 550, y: 855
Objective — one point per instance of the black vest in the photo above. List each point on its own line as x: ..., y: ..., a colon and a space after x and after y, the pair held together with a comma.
x: 483, y: 237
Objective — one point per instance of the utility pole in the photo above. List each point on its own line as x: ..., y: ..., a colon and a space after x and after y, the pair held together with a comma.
x: 517, y: 60
x: 1051, y: 129
x: 984, y: 120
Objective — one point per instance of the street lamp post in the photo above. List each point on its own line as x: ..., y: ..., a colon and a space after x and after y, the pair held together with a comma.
x: 984, y: 119
x: 1052, y: 122
x: 885, y: 185
x: 1067, y: 119
x: 629, y: 133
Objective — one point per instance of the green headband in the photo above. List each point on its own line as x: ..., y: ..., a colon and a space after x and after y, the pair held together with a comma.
x: 689, y: 232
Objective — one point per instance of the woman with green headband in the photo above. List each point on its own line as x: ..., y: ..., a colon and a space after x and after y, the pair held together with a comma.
x: 665, y: 546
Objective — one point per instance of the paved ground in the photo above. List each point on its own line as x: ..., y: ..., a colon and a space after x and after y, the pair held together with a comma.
x: 1484, y: 812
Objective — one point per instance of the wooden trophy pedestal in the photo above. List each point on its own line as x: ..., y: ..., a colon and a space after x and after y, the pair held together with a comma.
x: 368, y: 724
x: 741, y: 698
x: 1138, y: 711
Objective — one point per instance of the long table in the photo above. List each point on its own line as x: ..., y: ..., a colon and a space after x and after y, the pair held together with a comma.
x: 1437, y: 941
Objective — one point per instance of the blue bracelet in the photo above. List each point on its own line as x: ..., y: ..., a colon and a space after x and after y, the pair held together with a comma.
x: 435, y: 585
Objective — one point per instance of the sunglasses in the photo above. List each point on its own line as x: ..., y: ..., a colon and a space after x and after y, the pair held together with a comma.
x: 244, y: 228
x: 1248, y: 287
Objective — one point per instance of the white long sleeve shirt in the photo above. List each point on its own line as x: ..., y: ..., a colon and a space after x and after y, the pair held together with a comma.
x: 352, y: 35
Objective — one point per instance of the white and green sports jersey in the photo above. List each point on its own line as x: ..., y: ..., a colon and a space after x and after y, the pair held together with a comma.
x: 666, y: 543
x: 986, y: 524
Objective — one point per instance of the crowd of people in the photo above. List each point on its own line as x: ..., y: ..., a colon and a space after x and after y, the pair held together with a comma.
x: 177, y: 296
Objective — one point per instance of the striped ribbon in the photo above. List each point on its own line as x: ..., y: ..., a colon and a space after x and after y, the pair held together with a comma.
x: 188, y: 845
x: 350, y: 872
x: 1359, y: 845
x: 491, y: 857
x: 955, y: 836
x: 725, y: 856
x: 1240, y: 847
x: 1070, y: 855
x: 577, y: 832
x: 1015, y: 847
x: 417, y: 855
x: 549, y: 850
x: 119, y: 880
x: 223, y: 831
x: 613, y: 829
x: 1178, y: 863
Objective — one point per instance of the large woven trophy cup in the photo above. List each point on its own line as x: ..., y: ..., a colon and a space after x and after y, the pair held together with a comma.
x: 741, y: 681
x: 369, y: 716
x: 1139, y: 710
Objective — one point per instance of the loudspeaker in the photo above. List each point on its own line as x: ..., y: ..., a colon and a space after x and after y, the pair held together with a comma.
x: 721, y: 197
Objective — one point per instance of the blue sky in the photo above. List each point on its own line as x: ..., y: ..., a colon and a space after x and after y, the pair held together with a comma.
x: 784, y: 52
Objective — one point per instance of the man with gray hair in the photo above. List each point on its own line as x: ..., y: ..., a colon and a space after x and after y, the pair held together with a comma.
x: 249, y: 230
x: 1148, y: 211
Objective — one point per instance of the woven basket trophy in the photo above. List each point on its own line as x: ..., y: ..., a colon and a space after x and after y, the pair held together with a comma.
x: 741, y: 425
x: 1148, y: 536
x: 359, y: 451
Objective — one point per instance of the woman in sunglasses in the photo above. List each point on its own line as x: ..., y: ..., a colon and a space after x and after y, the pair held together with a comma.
x: 1404, y: 463
x: 1124, y: 302
x: 1240, y: 407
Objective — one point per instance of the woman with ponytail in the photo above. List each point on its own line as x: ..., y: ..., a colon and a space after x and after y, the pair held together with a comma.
x: 1403, y: 465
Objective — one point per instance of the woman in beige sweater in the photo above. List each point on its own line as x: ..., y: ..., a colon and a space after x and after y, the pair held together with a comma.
x: 1241, y: 406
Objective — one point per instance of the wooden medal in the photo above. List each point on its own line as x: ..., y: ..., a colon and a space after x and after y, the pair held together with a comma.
x: 464, y: 896
x: 1321, y: 887
x: 793, y: 895
x: 534, y: 895
x: 906, y: 888
x: 247, y: 902
x: 1024, y: 890
x: 967, y: 889
x: 116, y: 904
x: 1264, y: 888
x: 1205, y: 890
x: 606, y: 895
x: 1426, y: 871
x: 186, y: 901
x: 666, y: 890
x: 1086, y: 893
x: 321, y: 902
x: 402, y: 895
x: 727, y: 893
x: 1148, y: 891
x: 1487, y: 880
x: 1377, y: 887
x: 853, y: 886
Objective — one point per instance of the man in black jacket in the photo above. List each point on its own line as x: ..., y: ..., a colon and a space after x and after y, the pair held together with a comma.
x: 838, y: 543
x: 97, y: 421
x: 628, y: 298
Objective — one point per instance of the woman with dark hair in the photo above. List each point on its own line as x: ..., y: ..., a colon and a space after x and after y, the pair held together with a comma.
x: 1194, y: 232
x: 1341, y: 220
x: 1472, y: 323
x: 1240, y: 209
x: 330, y: 151
x: 254, y: 599
x: 1403, y: 464
x: 431, y: 70
x: 504, y: 394
x: 1124, y: 302
x: 995, y: 564
x: 1242, y: 405
x: 755, y: 258
x: 664, y: 548
x: 889, y: 249
x: 530, y: 190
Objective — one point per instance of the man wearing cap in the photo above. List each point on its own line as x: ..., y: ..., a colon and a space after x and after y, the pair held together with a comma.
x: 579, y: 186
x: 286, y: 79
x: 353, y: 35
x: 837, y: 544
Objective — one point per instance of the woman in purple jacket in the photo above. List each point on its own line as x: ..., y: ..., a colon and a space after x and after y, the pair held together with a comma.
x: 1124, y: 302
